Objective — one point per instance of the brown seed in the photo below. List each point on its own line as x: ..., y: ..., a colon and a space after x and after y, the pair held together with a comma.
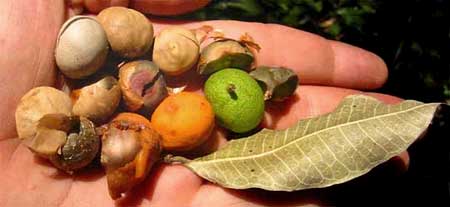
x: 98, y: 101
x: 35, y: 104
x: 176, y: 50
x: 129, y: 32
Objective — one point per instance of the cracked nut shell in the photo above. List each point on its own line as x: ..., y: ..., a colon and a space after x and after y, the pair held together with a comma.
x: 130, y: 147
x: 226, y: 53
x: 143, y: 86
x: 278, y: 83
x: 70, y: 143
x: 98, y: 101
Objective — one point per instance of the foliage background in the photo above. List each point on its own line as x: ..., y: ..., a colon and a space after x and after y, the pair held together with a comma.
x: 413, y: 38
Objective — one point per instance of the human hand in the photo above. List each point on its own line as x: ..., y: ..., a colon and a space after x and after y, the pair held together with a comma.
x: 328, y: 71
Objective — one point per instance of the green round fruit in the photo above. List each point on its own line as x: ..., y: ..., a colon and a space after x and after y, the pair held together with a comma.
x: 237, y: 99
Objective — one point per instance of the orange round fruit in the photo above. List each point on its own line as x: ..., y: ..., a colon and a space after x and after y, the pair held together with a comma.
x: 184, y: 121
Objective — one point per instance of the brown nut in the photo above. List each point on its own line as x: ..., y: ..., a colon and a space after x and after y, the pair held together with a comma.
x: 81, y: 48
x: 98, y: 101
x: 129, y: 32
x: 70, y: 143
x: 129, y: 149
x: 35, y: 104
x: 143, y: 86
x: 176, y: 50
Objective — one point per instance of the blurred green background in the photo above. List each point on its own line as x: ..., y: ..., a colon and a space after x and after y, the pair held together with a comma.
x: 412, y: 36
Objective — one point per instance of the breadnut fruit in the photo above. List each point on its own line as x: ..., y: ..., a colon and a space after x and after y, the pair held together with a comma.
x: 176, y: 50
x: 97, y: 101
x: 130, y: 147
x: 129, y: 32
x: 143, y: 86
x: 184, y: 120
x: 35, y: 104
x: 81, y: 47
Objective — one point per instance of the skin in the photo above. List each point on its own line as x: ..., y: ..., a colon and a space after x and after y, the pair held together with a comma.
x: 328, y: 71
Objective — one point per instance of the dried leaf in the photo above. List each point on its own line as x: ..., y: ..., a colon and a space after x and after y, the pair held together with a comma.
x: 202, y: 32
x: 248, y: 40
x: 318, y: 152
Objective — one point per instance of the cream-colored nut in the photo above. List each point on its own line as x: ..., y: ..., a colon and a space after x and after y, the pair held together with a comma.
x: 129, y: 32
x: 37, y: 103
x: 176, y: 50
x: 81, y: 48
x: 98, y: 101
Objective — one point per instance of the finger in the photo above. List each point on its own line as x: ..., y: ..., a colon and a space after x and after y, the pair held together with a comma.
x: 167, y: 7
x: 311, y: 101
x: 29, y: 29
x: 347, y: 56
x: 95, y: 6
x: 316, y: 60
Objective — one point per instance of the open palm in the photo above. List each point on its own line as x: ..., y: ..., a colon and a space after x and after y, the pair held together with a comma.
x: 328, y: 72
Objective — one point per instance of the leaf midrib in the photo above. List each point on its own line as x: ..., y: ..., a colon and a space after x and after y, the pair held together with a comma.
x: 309, y: 135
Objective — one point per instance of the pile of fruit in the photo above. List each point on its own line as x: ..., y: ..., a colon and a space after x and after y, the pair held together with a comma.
x: 117, y: 103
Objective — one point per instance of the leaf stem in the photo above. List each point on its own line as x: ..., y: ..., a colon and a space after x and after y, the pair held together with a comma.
x: 170, y: 159
x: 231, y: 88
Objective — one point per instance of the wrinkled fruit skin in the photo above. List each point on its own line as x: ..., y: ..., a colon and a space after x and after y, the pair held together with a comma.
x: 237, y: 99
x: 35, y: 104
x: 185, y: 120
x: 143, y: 86
x: 81, y: 48
x: 223, y: 54
x: 76, y: 142
x: 98, y: 101
x: 129, y: 32
x: 176, y: 50
x: 130, y: 147
x: 278, y: 83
